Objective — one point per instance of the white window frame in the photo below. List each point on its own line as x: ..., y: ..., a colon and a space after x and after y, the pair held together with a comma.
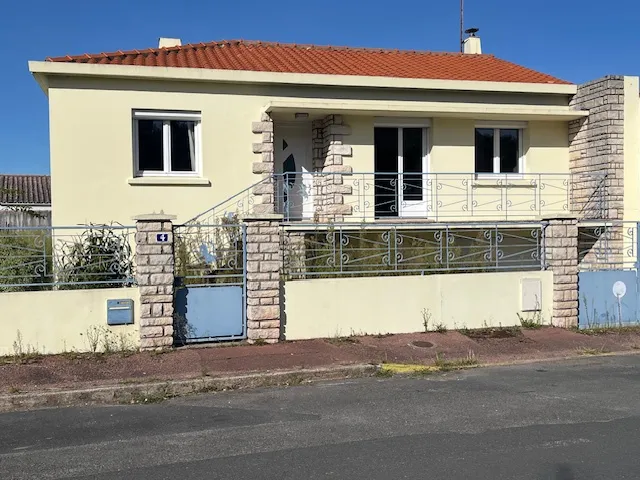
x: 166, y: 117
x: 400, y: 124
x: 520, y: 126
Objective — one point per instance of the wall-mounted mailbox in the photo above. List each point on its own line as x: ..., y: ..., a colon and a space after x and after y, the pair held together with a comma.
x: 120, y: 312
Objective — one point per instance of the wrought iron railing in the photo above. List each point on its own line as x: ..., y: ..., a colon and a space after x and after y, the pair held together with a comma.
x: 210, y: 254
x: 608, y: 246
x: 80, y: 257
x: 334, y: 250
x: 437, y: 196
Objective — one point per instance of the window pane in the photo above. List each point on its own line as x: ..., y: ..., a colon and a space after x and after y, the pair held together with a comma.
x: 484, y: 150
x: 509, y: 150
x: 183, y: 146
x: 385, y: 152
x: 150, y: 145
x: 412, y: 163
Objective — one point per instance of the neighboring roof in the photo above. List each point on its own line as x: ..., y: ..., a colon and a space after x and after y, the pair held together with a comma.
x: 313, y: 59
x: 25, y: 189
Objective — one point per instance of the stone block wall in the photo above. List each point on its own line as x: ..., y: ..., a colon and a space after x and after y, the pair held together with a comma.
x: 329, y: 151
x: 264, y: 264
x: 265, y: 194
x: 596, y: 146
x: 560, y: 253
x: 155, y: 277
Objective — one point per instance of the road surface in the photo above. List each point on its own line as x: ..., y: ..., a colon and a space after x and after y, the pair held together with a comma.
x: 563, y: 421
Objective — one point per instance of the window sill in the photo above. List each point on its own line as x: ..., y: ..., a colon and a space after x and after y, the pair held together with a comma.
x: 197, y: 181
x: 516, y: 181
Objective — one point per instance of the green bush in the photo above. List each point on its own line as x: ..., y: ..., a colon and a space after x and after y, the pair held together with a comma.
x: 25, y: 260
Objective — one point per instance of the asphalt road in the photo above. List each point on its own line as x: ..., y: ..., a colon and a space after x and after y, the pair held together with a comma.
x: 562, y: 421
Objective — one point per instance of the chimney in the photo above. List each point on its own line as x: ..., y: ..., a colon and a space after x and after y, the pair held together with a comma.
x: 471, y: 44
x: 169, y: 42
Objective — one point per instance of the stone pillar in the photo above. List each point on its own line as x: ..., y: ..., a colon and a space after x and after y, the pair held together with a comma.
x: 264, y: 263
x: 334, y: 149
x: 596, y: 149
x: 265, y: 192
x: 560, y: 255
x: 155, y: 277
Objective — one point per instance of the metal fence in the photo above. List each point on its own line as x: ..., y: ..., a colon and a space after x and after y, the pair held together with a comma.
x: 438, y: 196
x: 610, y: 246
x: 79, y: 257
x: 210, y: 254
x: 322, y: 197
x: 334, y: 250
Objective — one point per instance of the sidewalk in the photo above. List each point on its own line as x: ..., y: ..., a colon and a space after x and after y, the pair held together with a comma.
x: 85, y: 371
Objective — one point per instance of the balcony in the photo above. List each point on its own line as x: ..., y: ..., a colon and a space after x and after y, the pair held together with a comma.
x: 437, y: 197
x: 308, y: 197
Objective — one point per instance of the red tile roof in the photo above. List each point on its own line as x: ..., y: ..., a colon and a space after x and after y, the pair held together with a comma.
x: 290, y: 58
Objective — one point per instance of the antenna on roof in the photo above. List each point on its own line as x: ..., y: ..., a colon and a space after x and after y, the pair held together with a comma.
x: 461, y: 25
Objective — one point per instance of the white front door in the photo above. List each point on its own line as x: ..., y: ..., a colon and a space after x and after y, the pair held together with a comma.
x: 401, y: 171
x: 294, y: 164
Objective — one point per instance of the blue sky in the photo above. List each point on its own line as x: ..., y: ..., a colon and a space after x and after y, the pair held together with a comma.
x: 564, y: 38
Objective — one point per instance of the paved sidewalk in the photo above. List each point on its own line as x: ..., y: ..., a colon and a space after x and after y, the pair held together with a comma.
x: 85, y: 371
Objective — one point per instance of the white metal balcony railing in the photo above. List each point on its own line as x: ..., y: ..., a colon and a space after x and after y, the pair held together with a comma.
x: 365, y: 197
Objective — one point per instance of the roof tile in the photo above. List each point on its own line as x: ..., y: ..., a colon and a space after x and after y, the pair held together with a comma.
x: 313, y: 59
x: 25, y: 190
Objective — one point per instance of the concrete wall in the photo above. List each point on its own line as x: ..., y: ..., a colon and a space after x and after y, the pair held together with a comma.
x: 338, y: 307
x: 59, y: 321
x: 92, y: 147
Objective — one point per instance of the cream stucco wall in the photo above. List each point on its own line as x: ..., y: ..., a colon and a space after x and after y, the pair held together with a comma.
x: 631, y: 149
x: 58, y: 321
x: 92, y: 146
x: 338, y: 307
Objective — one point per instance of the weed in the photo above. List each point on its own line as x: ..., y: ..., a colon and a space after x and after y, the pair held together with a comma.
x: 158, y: 396
x: 342, y: 340
x: 93, y: 338
x: 23, y: 353
x: 440, y: 327
x: 13, y: 390
x: 426, y: 318
x: 532, y: 320
x: 608, y: 329
x: 592, y: 351
x: 456, y: 363
x: 384, y: 373
x: 258, y: 342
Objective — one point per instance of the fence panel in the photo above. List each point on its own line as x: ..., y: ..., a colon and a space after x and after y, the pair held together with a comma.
x: 78, y: 257
x: 331, y: 250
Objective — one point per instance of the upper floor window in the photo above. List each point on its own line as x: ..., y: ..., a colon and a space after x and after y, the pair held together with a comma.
x: 499, y: 150
x: 166, y: 143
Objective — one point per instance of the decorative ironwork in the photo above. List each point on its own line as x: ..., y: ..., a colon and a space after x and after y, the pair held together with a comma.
x: 41, y: 258
x: 610, y: 246
x: 443, y: 196
x: 332, y: 250
x: 210, y: 254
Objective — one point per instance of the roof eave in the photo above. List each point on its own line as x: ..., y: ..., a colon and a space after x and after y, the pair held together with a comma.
x: 41, y: 70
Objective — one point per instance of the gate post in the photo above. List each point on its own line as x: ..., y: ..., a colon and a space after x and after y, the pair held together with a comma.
x: 155, y: 277
x: 560, y: 255
x: 264, y: 262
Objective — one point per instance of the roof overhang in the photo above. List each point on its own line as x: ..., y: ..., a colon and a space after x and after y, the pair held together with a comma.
x: 41, y: 70
x: 488, y: 111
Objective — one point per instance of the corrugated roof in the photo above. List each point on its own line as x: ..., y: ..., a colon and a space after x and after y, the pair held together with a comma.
x: 25, y: 189
x: 291, y: 58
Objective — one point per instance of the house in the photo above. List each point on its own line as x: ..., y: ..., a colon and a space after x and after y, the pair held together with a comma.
x: 364, y: 162
x: 25, y: 200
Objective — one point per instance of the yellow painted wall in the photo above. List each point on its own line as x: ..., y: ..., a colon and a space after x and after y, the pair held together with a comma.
x: 92, y: 151
x: 631, y: 149
x: 321, y: 308
x: 58, y: 321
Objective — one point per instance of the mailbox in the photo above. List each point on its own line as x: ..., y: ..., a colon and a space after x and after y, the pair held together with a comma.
x: 120, y: 312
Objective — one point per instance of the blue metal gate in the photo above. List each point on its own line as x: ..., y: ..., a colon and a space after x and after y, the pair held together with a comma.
x: 608, y: 285
x: 210, y: 298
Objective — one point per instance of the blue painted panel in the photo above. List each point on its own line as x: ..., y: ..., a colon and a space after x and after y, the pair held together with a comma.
x: 120, y: 312
x: 599, y: 305
x: 210, y: 312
